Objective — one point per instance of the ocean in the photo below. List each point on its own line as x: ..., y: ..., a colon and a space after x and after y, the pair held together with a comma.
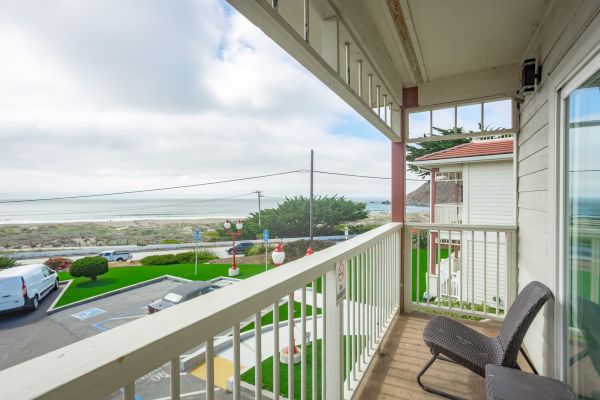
x: 104, y: 210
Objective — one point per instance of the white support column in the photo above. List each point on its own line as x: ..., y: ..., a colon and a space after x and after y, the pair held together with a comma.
x: 333, y: 339
x: 347, y: 61
x: 385, y: 109
x: 370, y: 89
x: 378, y: 100
x: 359, y: 72
x: 331, y: 42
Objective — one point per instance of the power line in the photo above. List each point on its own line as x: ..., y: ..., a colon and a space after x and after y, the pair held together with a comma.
x: 176, y: 204
x: 363, y: 176
x: 153, y: 189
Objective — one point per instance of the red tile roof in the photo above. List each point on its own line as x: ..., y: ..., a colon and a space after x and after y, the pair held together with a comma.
x: 472, y: 149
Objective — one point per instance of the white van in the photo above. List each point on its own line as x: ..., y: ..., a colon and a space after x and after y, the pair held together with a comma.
x: 118, y: 255
x: 24, y: 286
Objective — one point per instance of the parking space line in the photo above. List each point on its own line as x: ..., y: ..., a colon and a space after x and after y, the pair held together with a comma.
x: 129, y: 317
x: 186, y: 394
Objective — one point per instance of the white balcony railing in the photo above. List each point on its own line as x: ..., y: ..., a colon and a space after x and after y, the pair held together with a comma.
x: 448, y: 213
x: 463, y: 269
x: 109, y: 363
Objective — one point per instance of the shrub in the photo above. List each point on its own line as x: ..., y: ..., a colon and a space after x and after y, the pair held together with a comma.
x: 6, y: 262
x: 180, y: 258
x: 159, y: 259
x: 190, y: 257
x: 258, y: 249
x: 89, y: 267
x: 297, y: 249
x: 58, y: 263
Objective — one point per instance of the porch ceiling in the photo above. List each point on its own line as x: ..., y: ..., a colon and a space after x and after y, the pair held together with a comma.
x: 455, y: 37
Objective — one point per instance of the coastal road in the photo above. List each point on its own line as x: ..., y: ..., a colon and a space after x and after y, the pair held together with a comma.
x: 137, y: 255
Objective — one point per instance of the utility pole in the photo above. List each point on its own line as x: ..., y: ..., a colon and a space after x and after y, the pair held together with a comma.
x: 311, y: 210
x: 259, y: 194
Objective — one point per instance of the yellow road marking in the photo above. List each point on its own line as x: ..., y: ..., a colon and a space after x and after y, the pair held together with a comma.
x: 223, y: 371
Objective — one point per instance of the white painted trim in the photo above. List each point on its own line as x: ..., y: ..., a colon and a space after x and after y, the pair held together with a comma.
x: 463, y: 160
x: 568, y: 74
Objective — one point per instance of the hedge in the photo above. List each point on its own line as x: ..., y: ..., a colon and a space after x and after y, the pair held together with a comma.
x: 180, y: 258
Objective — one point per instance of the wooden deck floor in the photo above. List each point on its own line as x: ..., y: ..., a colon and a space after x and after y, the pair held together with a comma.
x: 403, y: 354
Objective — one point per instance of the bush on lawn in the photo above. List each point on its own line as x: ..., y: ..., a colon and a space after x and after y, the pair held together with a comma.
x: 58, y: 263
x: 258, y: 249
x: 89, y: 267
x: 297, y: 249
x: 6, y: 262
x: 159, y: 259
x: 180, y: 258
x: 190, y: 257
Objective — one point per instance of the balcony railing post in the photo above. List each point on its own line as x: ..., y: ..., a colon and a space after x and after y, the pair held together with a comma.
x: 407, y: 254
x: 175, y: 379
x: 333, y: 338
x: 129, y: 392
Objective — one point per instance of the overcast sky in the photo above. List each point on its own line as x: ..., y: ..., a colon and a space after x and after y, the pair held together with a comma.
x: 119, y: 95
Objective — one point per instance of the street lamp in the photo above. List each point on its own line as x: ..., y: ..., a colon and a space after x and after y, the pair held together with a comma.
x: 233, y: 271
x: 278, y: 255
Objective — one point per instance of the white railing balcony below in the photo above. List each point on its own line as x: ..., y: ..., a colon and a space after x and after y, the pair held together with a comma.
x: 448, y: 213
x: 461, y: 269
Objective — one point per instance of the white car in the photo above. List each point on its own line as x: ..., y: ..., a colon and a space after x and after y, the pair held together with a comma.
x: 25, y: 286
x: 118, y: 255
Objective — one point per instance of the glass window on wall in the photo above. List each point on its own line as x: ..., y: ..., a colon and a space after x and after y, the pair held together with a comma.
x: 582, y: 322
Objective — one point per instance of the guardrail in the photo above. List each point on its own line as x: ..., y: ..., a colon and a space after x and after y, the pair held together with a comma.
x: 448, y: 213
x: 365, y: 268
x: 462, y: 269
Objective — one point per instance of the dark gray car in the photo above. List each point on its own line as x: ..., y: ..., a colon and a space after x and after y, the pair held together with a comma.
x: 180, y: 294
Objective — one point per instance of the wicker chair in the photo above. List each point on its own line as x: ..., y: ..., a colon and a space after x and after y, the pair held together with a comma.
x: 452, y: 341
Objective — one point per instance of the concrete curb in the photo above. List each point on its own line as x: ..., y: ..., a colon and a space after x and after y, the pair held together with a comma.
x: 53, y: 309
x: 66, y: 283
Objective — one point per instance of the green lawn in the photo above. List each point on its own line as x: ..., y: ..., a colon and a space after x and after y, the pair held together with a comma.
x: 267, y: 319
x: 267, y: 373
x: 422, y: 275
x: 116, y: 278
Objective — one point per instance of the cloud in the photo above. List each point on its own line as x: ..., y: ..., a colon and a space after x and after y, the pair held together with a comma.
x: 107, y: 95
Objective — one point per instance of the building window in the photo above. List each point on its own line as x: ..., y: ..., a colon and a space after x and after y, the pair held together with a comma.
x: 582, y: 222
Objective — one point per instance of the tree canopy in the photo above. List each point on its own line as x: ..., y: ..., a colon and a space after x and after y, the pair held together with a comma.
x: 291, y: 217
x: 415, y: 151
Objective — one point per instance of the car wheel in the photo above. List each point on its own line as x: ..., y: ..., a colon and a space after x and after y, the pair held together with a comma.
x: 36, y: 303
x: 55, y: 285
x: 119, y: 259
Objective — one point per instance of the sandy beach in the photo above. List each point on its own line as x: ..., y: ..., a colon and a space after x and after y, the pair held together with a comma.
x: 140, y: 232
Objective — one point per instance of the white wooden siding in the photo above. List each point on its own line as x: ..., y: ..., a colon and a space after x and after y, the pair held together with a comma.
x: 554, y: 45
x: 475, y: 270
x: 490, y: 196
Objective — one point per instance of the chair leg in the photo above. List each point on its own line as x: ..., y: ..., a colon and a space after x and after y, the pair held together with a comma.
x: 429, y: 388
x: 528, y: 360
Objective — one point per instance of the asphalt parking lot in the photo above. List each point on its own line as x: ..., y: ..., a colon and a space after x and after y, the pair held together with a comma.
x: 26, y: 335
